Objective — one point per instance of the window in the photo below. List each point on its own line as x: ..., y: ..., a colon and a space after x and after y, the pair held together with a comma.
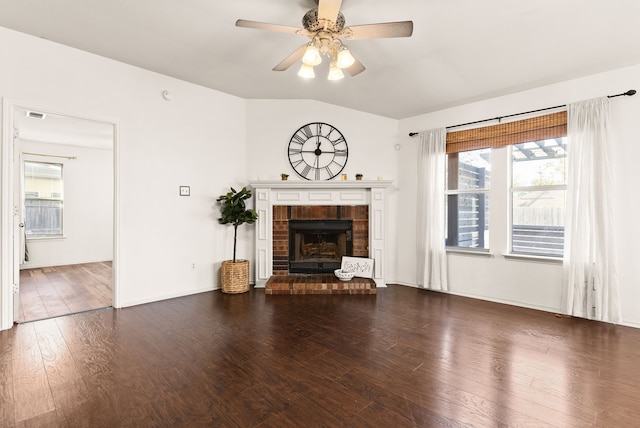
x: 528, y: 201
x: 538, y: 188
x: 43, y: 200
x: 468, y: 182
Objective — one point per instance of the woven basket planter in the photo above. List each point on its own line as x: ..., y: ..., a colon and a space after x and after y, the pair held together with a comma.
x: 234, y: 277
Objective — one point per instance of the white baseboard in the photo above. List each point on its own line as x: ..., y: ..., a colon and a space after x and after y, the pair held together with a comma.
x: 488, y: 299
x: 630, y: 324
x: 509, y: 302
x: 167, y: 296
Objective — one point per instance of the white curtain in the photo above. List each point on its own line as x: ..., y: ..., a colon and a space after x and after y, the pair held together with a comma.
x: 589, y: 271
x: 432, y: 258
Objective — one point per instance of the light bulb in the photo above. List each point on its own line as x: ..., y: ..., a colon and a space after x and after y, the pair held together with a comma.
x: 334, y: 72
x: 312, y: 56
x: 345, y: 59
x: 306, y: 71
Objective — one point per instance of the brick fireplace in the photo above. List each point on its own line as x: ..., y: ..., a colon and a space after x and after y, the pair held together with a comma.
x: 348, y: 224
x: 361, y: 203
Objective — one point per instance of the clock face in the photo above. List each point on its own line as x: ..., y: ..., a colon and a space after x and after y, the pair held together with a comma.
x: 318, y: 151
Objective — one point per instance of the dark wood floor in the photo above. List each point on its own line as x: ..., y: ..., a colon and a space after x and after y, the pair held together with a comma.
x: 61, y: 290
x: 402, y: 358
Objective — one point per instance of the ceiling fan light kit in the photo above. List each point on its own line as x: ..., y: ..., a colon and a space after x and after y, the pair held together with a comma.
x: 345, y: 59
x: 312, y: 56
x: 306, y: 71
x: 334, y: 49
x: 335, y: 73
x: 325, y: 25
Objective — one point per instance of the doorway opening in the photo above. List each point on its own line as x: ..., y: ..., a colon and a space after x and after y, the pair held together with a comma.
x: 64, y: 231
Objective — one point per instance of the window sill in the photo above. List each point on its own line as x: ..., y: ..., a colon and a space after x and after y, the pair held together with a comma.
x: 45, y: 238
x: 533, y: 258
x: 469, y: 252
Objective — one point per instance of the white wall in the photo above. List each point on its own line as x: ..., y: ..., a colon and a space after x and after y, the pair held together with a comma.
x: 88, y: 207
x: 271, y: 124
x: 196, y: 139
x: 370, y: 138
x: 536, y: 284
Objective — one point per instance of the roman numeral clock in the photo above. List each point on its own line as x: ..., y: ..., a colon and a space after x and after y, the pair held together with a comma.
x: 318, y: 151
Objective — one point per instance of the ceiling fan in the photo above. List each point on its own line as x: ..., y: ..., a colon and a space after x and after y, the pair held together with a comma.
x: 325, y: 26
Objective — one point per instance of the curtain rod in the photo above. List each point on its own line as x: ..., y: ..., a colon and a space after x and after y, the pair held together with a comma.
x: 629, y: 93
x: 51, y: 156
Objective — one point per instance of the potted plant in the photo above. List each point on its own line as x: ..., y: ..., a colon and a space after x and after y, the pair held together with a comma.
x: 234, y: 274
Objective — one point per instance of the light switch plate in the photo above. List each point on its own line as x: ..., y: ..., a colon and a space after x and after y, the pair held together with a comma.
x: 185, y: 191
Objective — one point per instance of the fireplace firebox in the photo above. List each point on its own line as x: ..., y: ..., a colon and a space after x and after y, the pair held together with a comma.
x: 317, y: 246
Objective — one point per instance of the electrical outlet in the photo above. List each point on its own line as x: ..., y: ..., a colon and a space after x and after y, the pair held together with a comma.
x: 193, y: 266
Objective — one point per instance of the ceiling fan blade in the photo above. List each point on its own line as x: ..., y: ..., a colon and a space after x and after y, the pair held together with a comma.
x: 380, y: 31
x: 265, y: 26
x: 291, y: 59
x: 355, y: 68
x: 328, y: 9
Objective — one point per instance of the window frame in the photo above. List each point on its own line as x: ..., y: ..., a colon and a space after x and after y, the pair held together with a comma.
x: 60, y: 199
x: 452, y: 229
x: 539, y: 188
x: 500, y: 138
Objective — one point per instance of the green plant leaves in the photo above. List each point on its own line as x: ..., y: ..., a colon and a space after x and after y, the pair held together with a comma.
x: 234, y: 209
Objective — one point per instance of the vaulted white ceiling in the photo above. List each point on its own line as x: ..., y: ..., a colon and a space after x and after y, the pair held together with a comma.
x: 460, y: 51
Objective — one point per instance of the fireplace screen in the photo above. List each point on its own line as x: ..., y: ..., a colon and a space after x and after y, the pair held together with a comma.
x: 317, y: 246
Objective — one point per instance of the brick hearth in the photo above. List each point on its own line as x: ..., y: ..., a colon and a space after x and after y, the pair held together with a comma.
x: 318, y: 284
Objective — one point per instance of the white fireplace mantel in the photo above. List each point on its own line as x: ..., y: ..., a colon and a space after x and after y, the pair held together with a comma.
x: 272, y: 193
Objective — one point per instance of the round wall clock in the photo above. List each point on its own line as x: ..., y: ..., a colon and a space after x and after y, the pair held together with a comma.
x: 318, y: 151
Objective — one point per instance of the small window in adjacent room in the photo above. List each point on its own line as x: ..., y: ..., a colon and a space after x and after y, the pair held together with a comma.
x: 468, y: 183
x: 43, y: 201
x: 538, y: 190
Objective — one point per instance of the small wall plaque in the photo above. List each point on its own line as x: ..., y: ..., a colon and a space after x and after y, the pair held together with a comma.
x: 185, y: 191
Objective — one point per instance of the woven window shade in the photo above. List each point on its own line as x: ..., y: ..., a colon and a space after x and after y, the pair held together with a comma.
x: 537, y: 128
